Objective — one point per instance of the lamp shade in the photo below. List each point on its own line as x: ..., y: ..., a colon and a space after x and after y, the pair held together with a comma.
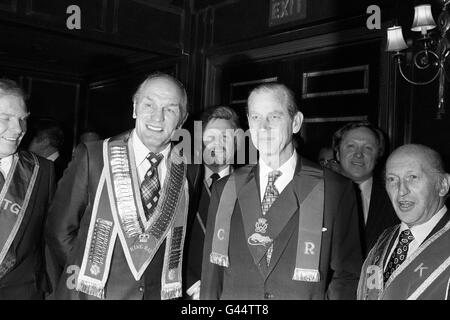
x: 423, y: 19
x: 395, y: 41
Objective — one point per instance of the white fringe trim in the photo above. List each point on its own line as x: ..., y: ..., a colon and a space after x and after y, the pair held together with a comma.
x: 219, y: 259
x: 171, y: 291
x: 91, y: 289
x: 308, y: 275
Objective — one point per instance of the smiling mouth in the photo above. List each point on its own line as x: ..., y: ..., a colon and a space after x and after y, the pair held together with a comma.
x: 10, y: 139
x: 158, y: 129
x: 405, y: 205
x: 359, y: 164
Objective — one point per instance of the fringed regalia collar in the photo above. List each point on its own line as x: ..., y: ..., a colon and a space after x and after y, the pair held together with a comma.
x: 305, y: 193
x: 14, y: 199
x: 118, y: 212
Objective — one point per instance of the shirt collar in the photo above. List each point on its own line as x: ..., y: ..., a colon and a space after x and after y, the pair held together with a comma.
x: 141, y: 151
x: 287, y: 169
x: 5, y: 164
x: 53, y: 156
x: 366, y: 187
x: 222, y: 173
x: 421, y: 231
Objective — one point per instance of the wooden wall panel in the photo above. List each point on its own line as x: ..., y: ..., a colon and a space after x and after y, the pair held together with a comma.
x: 138, y: 21
x: 93, y: 12
x: 8, y: 5
x: 59, y: 100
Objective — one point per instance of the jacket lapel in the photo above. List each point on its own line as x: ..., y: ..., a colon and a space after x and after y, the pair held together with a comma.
x: 250, y: 204
x: 286, y: 207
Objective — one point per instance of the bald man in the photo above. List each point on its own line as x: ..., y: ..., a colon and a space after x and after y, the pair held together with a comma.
x: 117, y: 223
x: 411, y: 260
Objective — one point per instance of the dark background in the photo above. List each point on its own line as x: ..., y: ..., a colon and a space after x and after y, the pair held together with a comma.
x: 220, y: 50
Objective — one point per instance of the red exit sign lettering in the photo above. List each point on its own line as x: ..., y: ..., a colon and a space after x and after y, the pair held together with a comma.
x: 282, y: 11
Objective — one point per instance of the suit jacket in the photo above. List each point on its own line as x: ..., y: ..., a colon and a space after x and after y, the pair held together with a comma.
x: 340, y: 258
x: 195, y: 235
x: 380, y: 255
x: 381, y: 216
x: 28, y: 279
x: 60, y: 165
x: 68, y: 224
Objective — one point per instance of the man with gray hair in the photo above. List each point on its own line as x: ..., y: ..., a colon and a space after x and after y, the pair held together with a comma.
x: 411, y: 260
x: 26, y: 185
x: 284, y: 228
x: 118, y: 220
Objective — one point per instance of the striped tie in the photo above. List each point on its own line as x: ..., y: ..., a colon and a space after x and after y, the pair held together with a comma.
x: 270, y: 195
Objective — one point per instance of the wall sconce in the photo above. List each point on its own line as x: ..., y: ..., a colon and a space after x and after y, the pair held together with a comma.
x: 434, y: 47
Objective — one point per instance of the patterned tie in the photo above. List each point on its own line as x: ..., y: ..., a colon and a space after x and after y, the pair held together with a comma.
x: 399, y: 254
x: 270, y: 195
x: 214, y: 177
x: 150, y: 186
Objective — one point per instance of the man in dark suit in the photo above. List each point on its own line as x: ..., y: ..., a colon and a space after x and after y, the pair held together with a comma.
x: 47, y: 142
x: 411, y: 260
x: 359, y: 147
x: 118, y: 220
x: 284, y: 228
x: 27, y: 185
x: 218, y: 139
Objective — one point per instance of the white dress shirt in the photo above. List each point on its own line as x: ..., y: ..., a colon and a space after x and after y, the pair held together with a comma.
x: 5, y: 165
x: 287, y: 173
x: 141, y: 152
x: 420, y: 232
x: 208, y: 172
x: 366, y: 192
x: 53, y: 156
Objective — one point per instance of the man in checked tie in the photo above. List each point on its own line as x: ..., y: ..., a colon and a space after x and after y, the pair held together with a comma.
x: 117, y: 223
x: 284, y: 228
x: 411, y: 260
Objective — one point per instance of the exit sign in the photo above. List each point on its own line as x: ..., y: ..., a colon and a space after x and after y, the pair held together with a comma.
x: 282, y: 11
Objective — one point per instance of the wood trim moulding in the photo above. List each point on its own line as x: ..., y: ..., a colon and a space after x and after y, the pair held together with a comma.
x: 296, y: 45
x: 308, y: 75
x: 335, y: 119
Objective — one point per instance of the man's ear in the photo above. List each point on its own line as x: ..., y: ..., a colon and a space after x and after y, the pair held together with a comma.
x: 444, y: 184
x: 338, y: 156
x: 297, y: 122
x: 134, y: 110
x: 180, y: 124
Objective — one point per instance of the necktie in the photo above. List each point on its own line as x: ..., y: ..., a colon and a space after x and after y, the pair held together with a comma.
x: 270, y: 195
x: 214, y: 177
x: 150, y: 186
x: 399, y: 254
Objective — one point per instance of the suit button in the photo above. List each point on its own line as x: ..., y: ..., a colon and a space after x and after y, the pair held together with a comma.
x: 268, y: 295
x: 141, y: 289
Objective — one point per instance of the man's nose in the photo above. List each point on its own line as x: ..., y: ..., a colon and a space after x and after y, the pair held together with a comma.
x: 157, y: 114
x: 358, y: 153
x: 403, y: 188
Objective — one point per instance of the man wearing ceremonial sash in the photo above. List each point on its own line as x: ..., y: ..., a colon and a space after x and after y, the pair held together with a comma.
x: 219, y: 125
x: 284, y: 228
x: 412, y: 260
x: 26, y: 188
x: 117, y: 222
